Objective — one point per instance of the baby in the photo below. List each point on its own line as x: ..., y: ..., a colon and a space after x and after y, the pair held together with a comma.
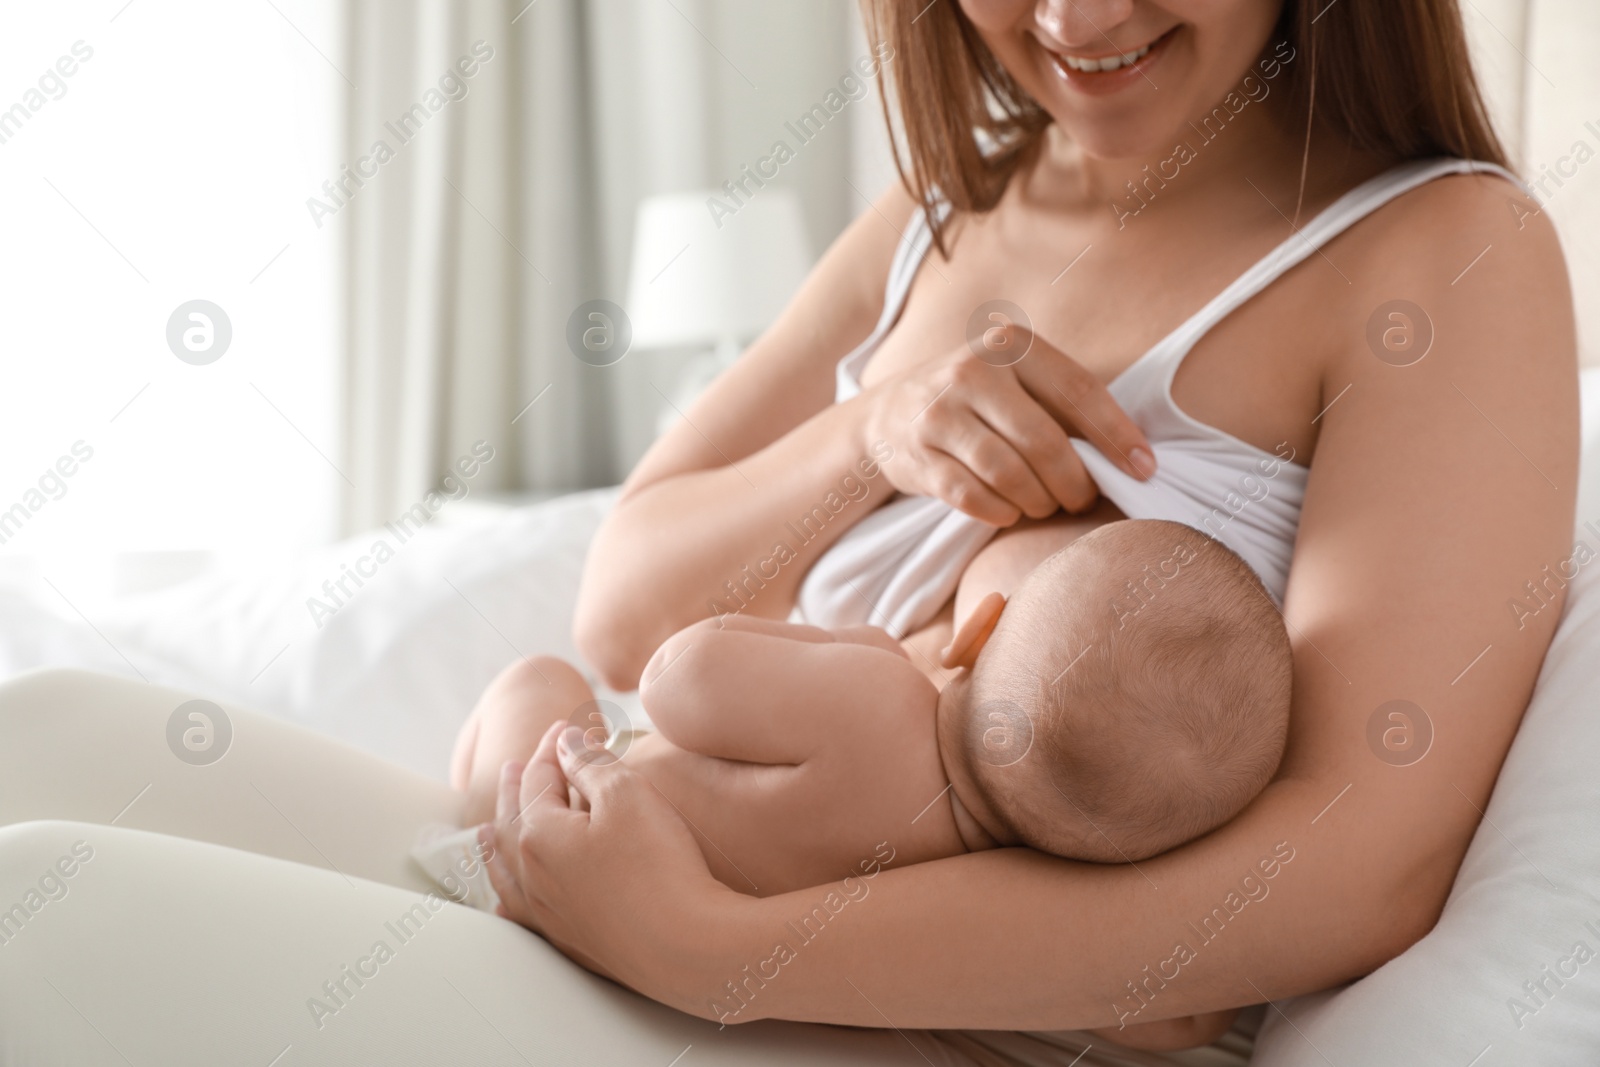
x: 1133, y: 694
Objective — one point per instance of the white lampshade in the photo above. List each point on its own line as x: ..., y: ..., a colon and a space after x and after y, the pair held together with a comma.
x: 695, y: 282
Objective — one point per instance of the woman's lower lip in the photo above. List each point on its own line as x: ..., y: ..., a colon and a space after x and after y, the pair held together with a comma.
x: 1106, y: 82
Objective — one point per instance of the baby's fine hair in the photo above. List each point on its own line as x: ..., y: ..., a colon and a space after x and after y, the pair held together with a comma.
x: 1155, y: 670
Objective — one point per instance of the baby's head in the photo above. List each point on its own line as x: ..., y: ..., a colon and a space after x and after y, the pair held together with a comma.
x: 1133, y: 695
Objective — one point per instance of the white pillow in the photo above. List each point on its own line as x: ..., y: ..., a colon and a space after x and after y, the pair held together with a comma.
x: 395, y: 668
x: 1527, y: 897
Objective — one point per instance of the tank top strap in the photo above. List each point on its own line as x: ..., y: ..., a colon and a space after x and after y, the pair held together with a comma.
x: 908, y: 255
x: 915, y: 240
x: 1333, y: 220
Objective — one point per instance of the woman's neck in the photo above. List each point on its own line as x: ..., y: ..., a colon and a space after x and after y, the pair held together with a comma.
x: 1258, y: 144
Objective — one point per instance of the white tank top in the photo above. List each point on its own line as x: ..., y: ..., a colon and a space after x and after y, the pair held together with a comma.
x: 897, y: 567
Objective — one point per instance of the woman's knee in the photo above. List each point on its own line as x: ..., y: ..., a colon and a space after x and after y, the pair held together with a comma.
x: 38, y: 692
x: 37, y: 860
x: 74, y: 706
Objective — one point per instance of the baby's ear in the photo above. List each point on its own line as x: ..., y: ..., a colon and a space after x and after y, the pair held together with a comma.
x: 973, y: 633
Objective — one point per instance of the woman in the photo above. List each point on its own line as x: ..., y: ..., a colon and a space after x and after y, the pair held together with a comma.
x: 1112, y: 204
x: 1433, y: 488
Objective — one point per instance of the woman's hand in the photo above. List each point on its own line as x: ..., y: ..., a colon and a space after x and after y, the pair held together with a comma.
x: 589, y: 877
x: 988, y: 434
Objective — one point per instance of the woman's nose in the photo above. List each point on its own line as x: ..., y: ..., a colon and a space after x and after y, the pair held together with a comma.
x: 1080, y: 23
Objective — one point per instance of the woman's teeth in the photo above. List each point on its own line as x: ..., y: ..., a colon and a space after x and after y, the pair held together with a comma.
x: 1090, y: 66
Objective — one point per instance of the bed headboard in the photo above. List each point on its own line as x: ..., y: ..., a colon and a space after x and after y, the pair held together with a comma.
x: 1535, y: 59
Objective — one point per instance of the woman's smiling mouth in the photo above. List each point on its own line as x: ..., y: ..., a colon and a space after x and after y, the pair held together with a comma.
x: 1111, y: 62
x: 1108, y: 72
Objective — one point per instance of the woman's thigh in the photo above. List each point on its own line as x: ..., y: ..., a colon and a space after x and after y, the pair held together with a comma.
x: 95, y: 749
x: 121, y: 946
x: 129, y: 933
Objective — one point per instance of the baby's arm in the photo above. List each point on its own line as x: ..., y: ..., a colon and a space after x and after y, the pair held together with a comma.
x: 762, y: 691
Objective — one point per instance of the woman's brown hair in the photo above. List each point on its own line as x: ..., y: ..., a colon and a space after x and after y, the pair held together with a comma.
x: 1393, y: 77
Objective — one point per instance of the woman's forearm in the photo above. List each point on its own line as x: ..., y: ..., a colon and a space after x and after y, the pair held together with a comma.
x: 1252, y: 913
x: 658, y: 565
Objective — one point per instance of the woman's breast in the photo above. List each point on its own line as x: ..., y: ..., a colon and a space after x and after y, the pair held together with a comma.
x: 1001, y: 567
x: 1017, y: 550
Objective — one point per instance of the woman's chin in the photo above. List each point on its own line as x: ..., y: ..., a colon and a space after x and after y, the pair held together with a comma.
x: 1113, y: 145
x: 1107, y: 144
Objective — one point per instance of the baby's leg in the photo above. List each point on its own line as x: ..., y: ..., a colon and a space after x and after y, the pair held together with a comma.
x: 510, y: 718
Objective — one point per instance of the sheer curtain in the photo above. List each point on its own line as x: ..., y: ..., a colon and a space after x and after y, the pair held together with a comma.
x: 507, y: 199
x: 463, y: 246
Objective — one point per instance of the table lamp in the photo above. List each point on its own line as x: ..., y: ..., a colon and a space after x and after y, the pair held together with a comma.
x: 705, y: 277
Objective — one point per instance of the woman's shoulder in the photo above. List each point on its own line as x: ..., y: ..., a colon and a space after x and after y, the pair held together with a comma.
x: 855, y: 269
x: 1476, y: 255
x: 1459, y: 289
x: 1420, y: 235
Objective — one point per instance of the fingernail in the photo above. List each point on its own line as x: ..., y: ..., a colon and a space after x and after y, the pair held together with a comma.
x: 570, y: 741
x: 1142, y: 461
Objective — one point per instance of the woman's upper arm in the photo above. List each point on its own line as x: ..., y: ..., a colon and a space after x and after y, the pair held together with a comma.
x: 787, y: 375
x: 1439, y: 489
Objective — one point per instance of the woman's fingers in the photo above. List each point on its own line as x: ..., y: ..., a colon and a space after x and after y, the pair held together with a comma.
x: 503, y: 859
x: 992, y: 440
x: 590, y: 769
x: 995, y: 460
x: 1042, y: 444
x: 1078, y: 399
x: 525, y: 794
x: 951, y: 481
x: 542, y: 783
x: 948, y: 425
x: 967, y: 464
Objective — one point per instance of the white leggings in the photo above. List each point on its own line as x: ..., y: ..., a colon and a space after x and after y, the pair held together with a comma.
x: 261, y: 910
